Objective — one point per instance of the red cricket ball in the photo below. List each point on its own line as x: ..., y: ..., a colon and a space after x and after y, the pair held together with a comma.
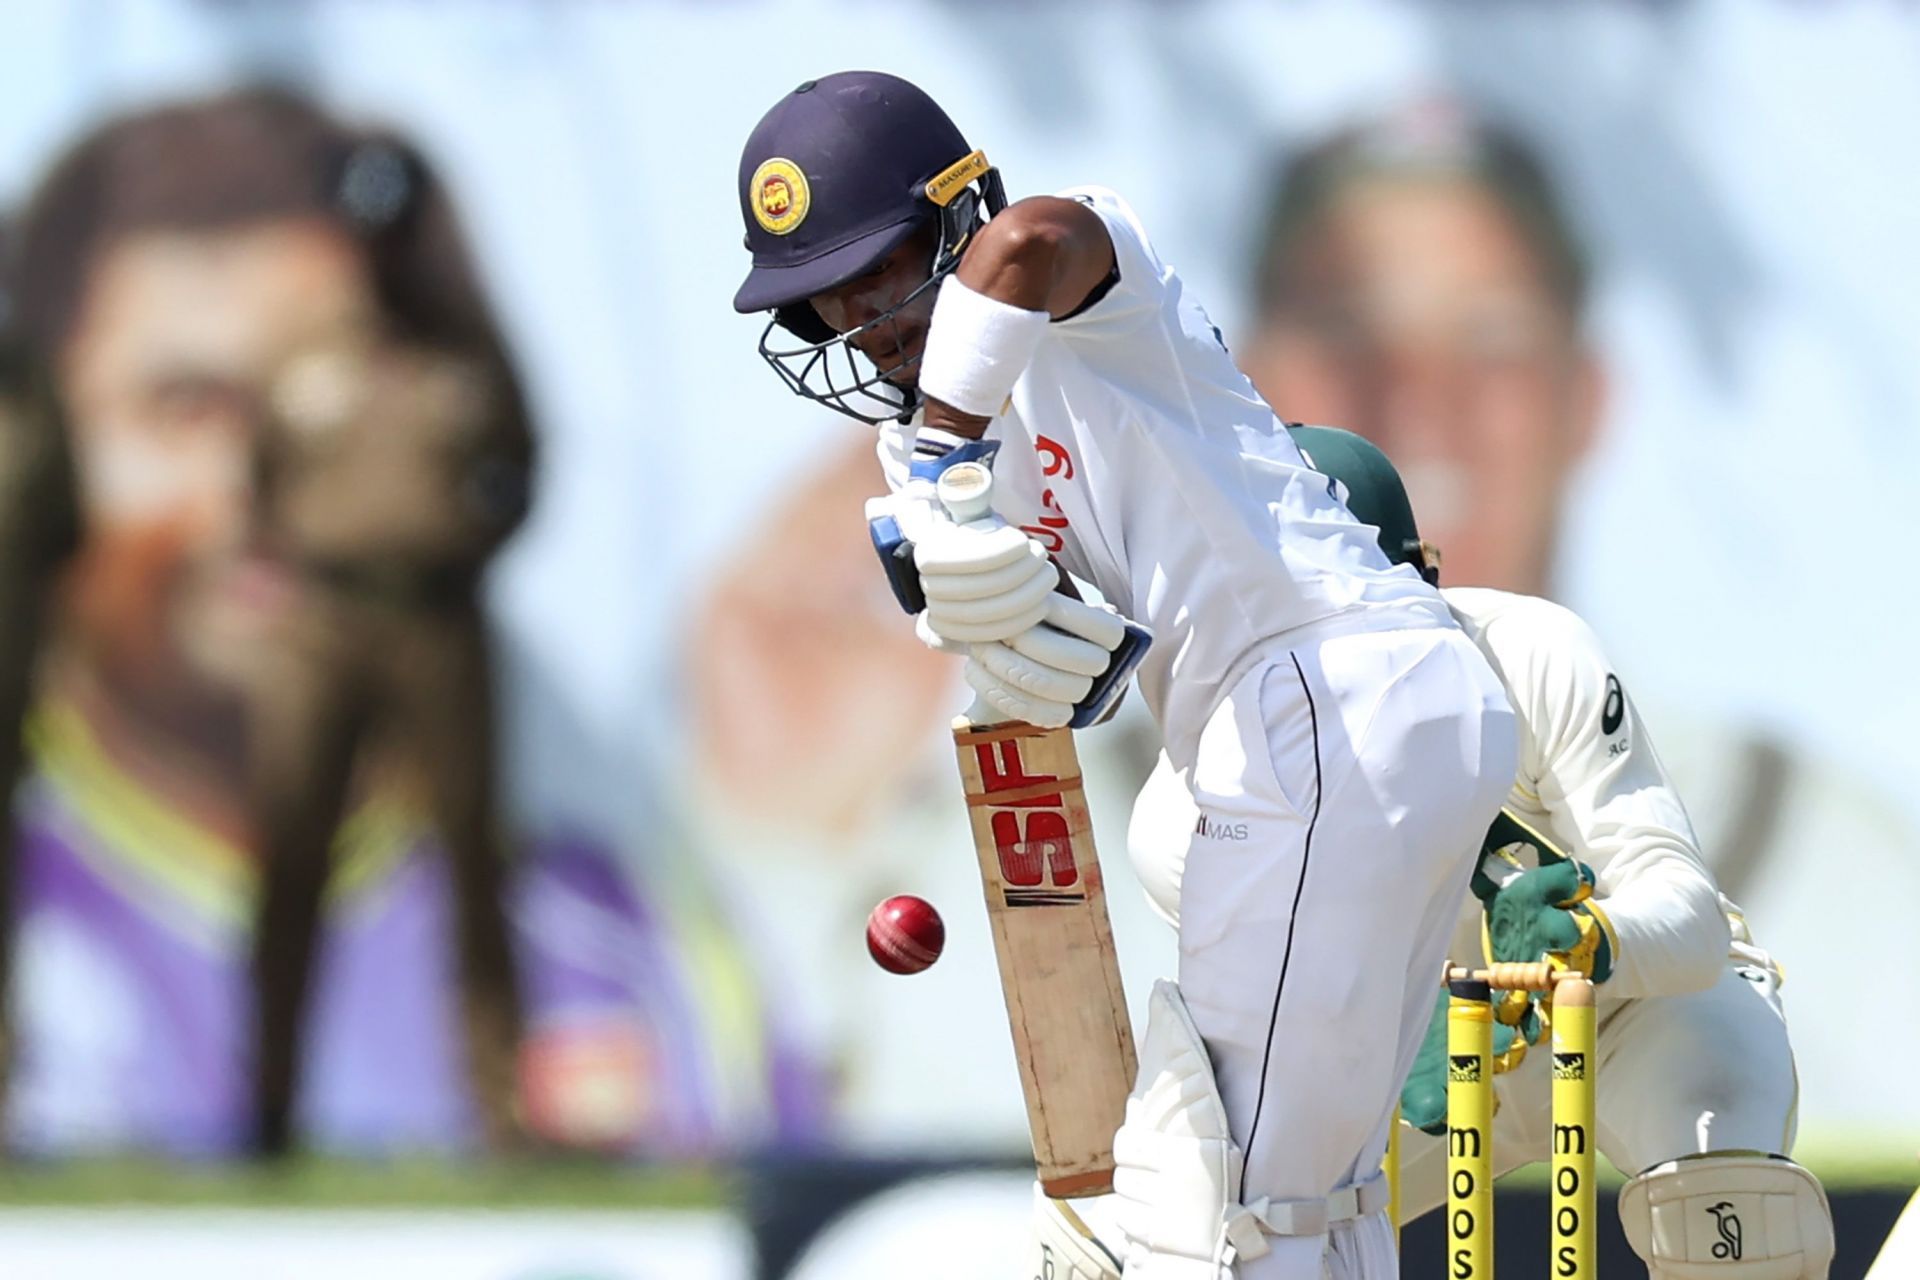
x: 905, y: 934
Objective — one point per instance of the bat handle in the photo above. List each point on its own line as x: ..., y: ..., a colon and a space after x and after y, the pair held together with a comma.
x: 965, y: 489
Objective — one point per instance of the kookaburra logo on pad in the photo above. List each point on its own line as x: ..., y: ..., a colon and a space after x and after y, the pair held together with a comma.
x: 1727, y: 1223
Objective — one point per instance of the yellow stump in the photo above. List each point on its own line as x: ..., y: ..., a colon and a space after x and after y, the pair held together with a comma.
x: 1575, y: 1203
x: 1469, y: 1131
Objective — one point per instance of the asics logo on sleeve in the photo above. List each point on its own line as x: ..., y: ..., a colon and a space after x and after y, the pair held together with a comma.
x: 1614, y: 713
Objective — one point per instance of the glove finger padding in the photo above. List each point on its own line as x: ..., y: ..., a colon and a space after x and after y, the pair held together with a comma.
x: 993, y: 618
x: 1523, y: 936
x: 1557, y: 884
x: 950, y: 628
x: 1101, y: 625
x: 1014, y: 703
x: 1549, y: 913
x: 1510, y: 1044
x: 935, y: 641
x: 947, y: 585
x: 1027, y: 599
x: 1040, y: 679
x: 1524, y: 920
x: 1062, y: 652
x: 951, y: 549
x: 1520, y: 1011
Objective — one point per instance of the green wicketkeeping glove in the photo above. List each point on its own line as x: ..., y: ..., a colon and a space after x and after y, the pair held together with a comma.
x: 1423, y: 1100
x: 1545, y: 912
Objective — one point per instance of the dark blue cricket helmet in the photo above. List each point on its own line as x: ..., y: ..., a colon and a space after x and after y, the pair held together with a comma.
x: 839, y: 174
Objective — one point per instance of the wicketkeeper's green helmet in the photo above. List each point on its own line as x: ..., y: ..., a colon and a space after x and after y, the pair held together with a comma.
x: 1374, y: 492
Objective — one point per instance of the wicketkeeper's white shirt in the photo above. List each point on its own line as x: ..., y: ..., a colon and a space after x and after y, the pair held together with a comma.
x: 1590, y: 780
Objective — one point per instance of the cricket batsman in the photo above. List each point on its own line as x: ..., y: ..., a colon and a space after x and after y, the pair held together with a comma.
x: 1591, y: 864
x: 1343, y: 742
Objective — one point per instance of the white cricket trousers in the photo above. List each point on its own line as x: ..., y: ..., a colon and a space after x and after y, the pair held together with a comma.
x: 1343, y: 786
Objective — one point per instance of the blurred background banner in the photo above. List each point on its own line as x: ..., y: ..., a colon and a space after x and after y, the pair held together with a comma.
x: 1627, y: 289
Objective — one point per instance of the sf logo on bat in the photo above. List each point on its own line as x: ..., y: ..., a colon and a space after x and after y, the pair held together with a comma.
x: 1032, y: 836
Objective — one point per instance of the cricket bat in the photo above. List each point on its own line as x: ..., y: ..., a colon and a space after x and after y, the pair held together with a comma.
x: 1047, y: 904
x: 1048, y: 908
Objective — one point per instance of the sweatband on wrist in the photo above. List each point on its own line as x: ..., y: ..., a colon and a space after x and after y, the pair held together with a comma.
x: 977, y: 348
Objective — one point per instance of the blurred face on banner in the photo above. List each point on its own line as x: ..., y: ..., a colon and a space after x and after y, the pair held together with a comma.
x: 810, y: 701
x: 1413, y: 310
x: 167, y: 371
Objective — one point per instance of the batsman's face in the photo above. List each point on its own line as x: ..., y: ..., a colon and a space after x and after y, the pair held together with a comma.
x: 1416, y: 314
x: 167, y: 376
x: 893, y: 344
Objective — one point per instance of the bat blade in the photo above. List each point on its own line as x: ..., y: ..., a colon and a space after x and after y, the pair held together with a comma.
x: 1048, y: 908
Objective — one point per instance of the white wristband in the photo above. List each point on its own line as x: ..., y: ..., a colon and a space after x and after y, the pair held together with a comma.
x: 977, y: 348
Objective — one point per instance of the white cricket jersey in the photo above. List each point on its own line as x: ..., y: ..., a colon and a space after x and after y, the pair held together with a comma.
x: 1590, y: 781
x: 1144, y: 461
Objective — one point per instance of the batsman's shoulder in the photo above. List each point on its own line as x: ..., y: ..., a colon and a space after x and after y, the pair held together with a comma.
x: 1110, y: 207
x: 1137, y: 286
x: 1095, y: 196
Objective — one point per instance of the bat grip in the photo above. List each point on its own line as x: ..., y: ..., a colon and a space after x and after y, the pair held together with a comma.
x: 965, y: 489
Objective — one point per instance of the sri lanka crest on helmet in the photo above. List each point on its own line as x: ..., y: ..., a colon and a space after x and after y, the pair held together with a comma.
x: 780, y: 196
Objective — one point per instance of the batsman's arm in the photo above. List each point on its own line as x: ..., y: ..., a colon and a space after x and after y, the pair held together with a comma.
x: 1043, y: 253
x: 1036, y: 261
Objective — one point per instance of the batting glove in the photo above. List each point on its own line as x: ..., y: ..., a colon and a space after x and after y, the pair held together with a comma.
x: 1042, y: 674
x: 983, y: 581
